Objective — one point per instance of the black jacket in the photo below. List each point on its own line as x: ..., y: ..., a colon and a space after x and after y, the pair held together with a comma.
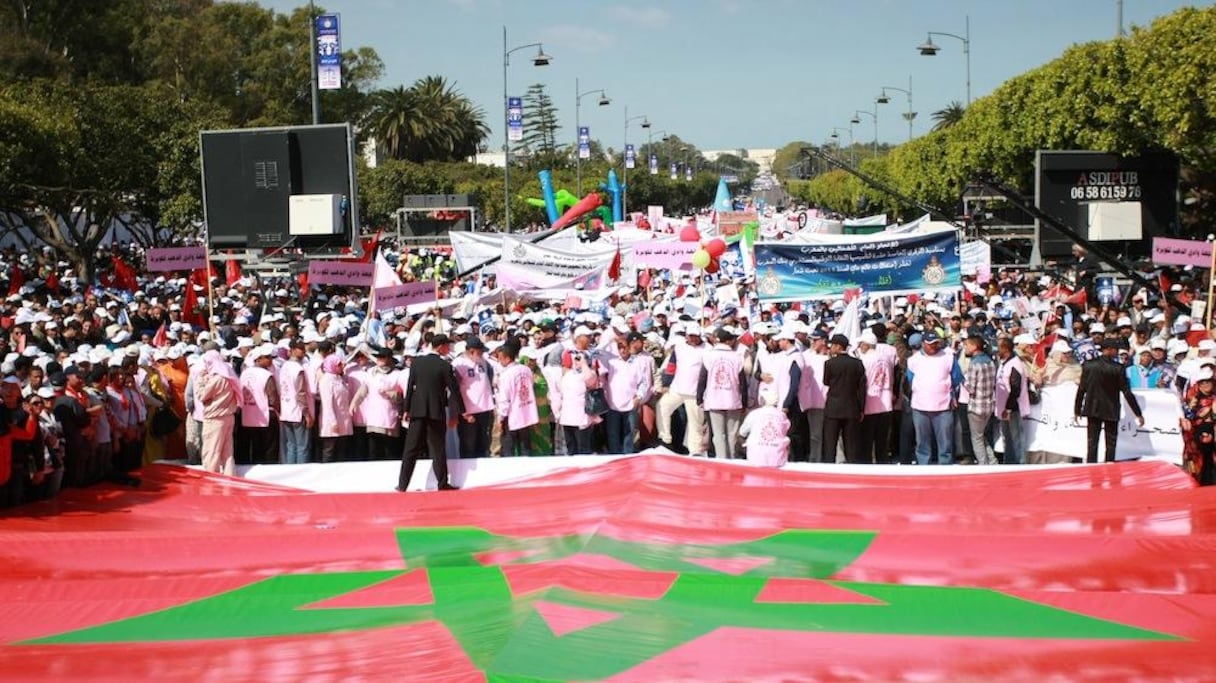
x: 1102, y: 382
x: 432, y: 389
x: 845, y: 378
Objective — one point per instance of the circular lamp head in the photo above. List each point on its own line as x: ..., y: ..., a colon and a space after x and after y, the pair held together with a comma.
x: 604, y: 101
x: 883, y: 99
x: 541, y: 59
x: 855, y: 120
x: 928, y: 48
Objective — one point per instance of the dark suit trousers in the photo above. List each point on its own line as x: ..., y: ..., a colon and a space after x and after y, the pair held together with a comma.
x: 874, y: 436
x: 834, y: 429
x: 1093, y: 426
x: 429, y: 435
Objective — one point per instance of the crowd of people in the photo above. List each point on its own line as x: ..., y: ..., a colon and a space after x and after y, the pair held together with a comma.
x: 102, y: 377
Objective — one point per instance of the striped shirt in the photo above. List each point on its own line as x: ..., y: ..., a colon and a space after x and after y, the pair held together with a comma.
x: 980, y: 382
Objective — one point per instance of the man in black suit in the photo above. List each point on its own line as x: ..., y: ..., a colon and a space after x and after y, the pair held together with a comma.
x: 1103, y: 381
x: 845, y: 378
x: 432, y: 385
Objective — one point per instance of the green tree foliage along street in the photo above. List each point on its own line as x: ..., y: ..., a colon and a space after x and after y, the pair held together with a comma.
x: 1154, y: 89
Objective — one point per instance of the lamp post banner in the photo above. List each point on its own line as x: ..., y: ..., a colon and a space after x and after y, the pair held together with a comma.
x: 515, y: 119
x: 584, y: 142
x: 329, y: 52
x: 879, y: 265
x: 630, y: 156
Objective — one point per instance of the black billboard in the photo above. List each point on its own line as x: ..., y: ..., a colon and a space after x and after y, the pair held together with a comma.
x: 1067, y: 182
x: 249, y: 176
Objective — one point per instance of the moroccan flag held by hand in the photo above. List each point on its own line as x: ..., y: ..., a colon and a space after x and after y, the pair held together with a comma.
x: 161, y: 338
x: 124, y: 276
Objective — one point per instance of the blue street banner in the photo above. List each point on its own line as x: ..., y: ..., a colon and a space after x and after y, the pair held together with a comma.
x: 688, y: 172
x: 654, y: 164
x: 515, y: 119
x: 878, y: 264
x: 329, y: 52
x: 631, y: 156
x: 584, y: 142
x: 674, y: 168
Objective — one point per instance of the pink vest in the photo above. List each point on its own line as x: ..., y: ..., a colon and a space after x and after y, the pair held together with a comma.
x: 377, y: 410
x: 722, y: 390
x: 475, y: 387
x: 688, y: 369
x: 768, y: 443
x: 255, y: 404
x: 624, y: 383
x: 573, y: 412
x: 515, y: 397
x: 294, y: 403
x: 778, y: 365
x: 931, y: 380
x: 356, y: 376
x: 1003, y: 388
x: 335, y: 417
x: 811, y: 394
x: 880, y: 370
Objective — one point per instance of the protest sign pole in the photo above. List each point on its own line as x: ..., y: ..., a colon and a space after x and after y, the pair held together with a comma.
x: 1211, y: 286
x: 210, y: 296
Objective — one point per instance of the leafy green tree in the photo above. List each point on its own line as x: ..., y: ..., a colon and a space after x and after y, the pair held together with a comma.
x: 540, y: 121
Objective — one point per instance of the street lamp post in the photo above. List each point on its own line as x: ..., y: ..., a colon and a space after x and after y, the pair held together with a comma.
x: 929, y: 49
x: 836, y: 136
x: 872, y: 114
x: 312, y: 60
x: 541, y: 59
x: 624, y: 160
x: 578, y: 126
x: 650, y: 133
x: 908, y: 115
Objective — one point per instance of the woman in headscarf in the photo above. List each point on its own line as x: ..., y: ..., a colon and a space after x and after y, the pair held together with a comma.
x: 218, y: 390
x: 1199, y: 429
x: 336, y: 424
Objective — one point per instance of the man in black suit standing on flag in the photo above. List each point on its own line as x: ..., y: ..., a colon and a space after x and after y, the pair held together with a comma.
x: 1103, y: 383
x: 429, y: 394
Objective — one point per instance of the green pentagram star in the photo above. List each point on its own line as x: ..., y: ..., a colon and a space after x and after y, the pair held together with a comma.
x: 505, y: 635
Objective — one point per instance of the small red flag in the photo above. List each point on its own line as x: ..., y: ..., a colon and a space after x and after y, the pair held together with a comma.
x: 161, y: 338
x: 369, y: 247
x: 1078, y: 299
x: 124, y: 275
x: 614, y: 269
x: 16, y: 279
x: 232, y: 271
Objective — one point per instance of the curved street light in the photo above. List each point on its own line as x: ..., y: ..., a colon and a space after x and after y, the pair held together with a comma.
x: 908, y: 115
x: 604, y: 101
x: 540, y: 59
x: 872, y: 114
x: 930, y: 49
x: 624, y: 161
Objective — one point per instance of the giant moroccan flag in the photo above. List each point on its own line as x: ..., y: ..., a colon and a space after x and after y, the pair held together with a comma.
x: 642, y: 569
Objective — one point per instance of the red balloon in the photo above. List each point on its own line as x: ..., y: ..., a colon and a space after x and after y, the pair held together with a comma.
x: 713, y: 267
x: 690, y: 234
x: 716, y: 247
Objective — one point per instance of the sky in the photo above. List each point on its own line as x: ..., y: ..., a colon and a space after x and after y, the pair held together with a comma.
x: 726, y: 74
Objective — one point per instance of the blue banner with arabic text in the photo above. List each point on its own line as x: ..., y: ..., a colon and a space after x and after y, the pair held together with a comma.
x: 898, y: 264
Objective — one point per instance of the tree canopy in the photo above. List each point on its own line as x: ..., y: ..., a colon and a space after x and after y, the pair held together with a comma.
x: 1152, y: 90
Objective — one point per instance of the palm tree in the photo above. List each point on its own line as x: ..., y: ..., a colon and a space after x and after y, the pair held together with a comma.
x: 949, y: 116
x: 429, y: 121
